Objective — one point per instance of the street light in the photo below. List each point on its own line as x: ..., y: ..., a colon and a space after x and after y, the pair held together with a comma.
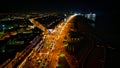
x: 3, y: 26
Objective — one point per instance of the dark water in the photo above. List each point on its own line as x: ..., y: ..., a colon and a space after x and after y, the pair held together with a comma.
x: 107, y: 28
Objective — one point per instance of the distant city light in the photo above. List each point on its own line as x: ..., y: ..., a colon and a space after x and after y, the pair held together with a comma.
x: 32, y: 27
x: 65, y: 19
x: 3, y: 25
x: 75, y: 14
x: 65, y: 14
x: 94, y: 17
x: 91, y: 16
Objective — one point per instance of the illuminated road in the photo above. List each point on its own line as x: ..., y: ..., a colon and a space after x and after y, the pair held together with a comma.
x: 43, y: 52
x: 8, y: 34
x: 48, y: 50
x: 61, y: 32
x: 46, y: 53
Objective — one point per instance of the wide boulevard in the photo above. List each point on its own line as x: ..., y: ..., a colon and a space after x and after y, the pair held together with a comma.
x: 47, y: 51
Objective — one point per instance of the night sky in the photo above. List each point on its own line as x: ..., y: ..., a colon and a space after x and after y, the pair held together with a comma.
x: 58, y: 5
